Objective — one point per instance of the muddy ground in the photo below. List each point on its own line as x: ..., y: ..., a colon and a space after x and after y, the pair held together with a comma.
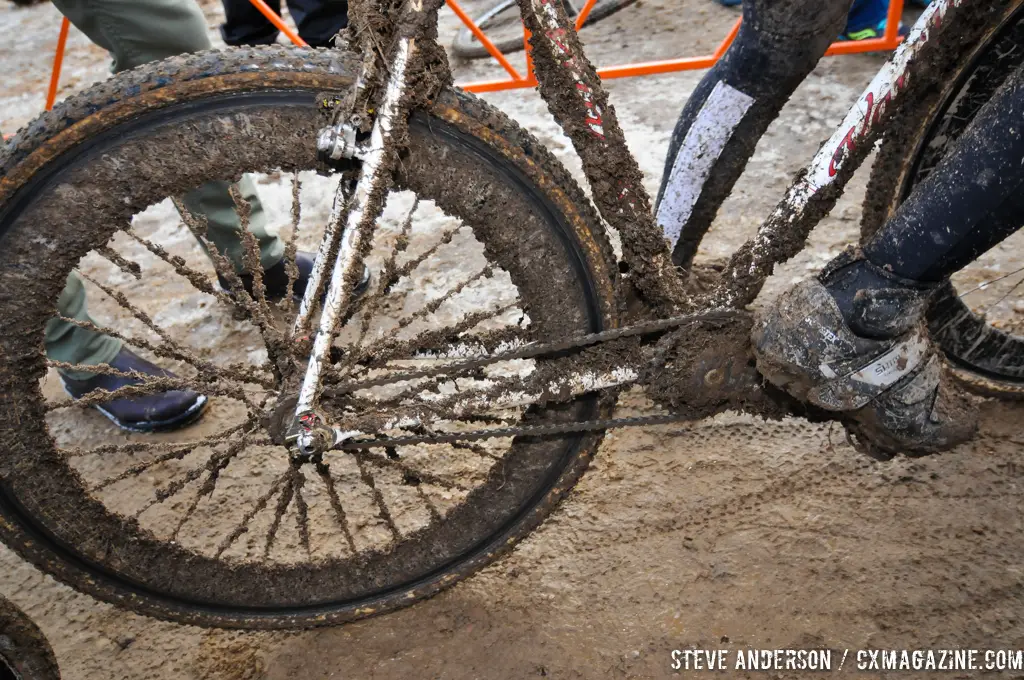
x: 727, y: 534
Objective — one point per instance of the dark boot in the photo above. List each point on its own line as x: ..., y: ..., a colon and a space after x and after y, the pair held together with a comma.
x: 148, y: 413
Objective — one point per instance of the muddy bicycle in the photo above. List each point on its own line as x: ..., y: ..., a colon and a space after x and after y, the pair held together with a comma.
x: 361, y: 452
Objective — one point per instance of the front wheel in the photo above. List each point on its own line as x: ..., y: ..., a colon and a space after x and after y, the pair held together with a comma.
x: 484, y: 238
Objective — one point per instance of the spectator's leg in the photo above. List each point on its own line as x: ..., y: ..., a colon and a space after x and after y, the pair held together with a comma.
x: 139, y: 31
x: 319, y: 20
x: 213, y: 200
x: 67, y: 342
x: 136, y: 32
x: 246, y: 25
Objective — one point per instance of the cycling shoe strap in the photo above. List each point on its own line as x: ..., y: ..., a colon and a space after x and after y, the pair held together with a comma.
x: 855, y: 390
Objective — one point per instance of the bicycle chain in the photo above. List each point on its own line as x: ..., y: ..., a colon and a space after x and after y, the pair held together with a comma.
x: 520, y: 431
x: 526, y: 352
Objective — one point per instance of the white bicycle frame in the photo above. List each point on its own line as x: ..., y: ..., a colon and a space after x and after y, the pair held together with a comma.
x: 860, y: 126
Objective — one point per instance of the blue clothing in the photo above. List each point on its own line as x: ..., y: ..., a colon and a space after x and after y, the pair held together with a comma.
x: 866, y: 14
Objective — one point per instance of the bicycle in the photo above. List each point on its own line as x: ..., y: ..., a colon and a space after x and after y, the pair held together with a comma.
x: 361, y: 462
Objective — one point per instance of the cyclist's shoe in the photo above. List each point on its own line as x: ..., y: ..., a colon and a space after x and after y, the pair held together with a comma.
x: 157, y: 412
x: 853, y: 341
x: 275, y: 278
x: 729, y: 3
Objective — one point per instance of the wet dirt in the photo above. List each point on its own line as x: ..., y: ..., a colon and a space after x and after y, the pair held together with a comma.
x: 729, y: 533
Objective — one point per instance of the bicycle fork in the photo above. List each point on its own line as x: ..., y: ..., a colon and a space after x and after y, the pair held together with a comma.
x: 357, y: 207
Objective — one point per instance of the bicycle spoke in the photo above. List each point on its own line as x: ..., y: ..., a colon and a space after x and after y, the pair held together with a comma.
x: 283, y: 502
x: 176, y: 453
x: 302, y: 515
x: 1005, y: 295
x: 291, y: 268
x: 435, y: 514
x: 273, y: 339
x: 122, y: 300
x: 385, y: 514
x: 389, y: 349
x: 146, y: 387
x: 245, y: 373
x: 383, y: 463
x: 127, y: 266
x: 131, y: 448
x: 475, y: 448
x: 213, y: 466
x: 198, y: 280
x: 251, y: 258
x: 258, y: 507
x: 985, y: 284
x: 339, y: 512
x: 387, y: 279
x: 179, y: 350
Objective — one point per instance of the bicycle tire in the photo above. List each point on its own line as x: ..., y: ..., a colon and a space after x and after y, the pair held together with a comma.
x: 25, y: 653
x: 986, y: 359
x: 466, y: 46
x: 114, y: 559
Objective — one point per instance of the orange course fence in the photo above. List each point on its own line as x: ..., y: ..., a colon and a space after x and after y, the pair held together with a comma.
x: 515, y: 80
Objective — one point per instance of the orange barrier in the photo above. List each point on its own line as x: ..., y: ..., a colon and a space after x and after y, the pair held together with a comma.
x: 274, y: 18
x: 889, y: 41
x: 58, y: 62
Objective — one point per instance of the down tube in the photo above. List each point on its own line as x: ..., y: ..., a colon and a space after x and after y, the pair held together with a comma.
x: 816, y: 189
x: 572, y: 89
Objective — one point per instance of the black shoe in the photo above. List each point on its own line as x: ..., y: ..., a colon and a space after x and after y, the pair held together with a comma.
x: 275, y: 279
x: 149, y: 413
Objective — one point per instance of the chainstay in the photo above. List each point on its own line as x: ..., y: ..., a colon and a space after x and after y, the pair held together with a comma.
x: 533, y: 350
x: 522, y: 431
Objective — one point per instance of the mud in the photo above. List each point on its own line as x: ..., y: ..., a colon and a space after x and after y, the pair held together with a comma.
x: 758, y: 534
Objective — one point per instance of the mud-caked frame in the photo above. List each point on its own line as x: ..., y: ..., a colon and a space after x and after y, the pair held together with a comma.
x: 404, y: 67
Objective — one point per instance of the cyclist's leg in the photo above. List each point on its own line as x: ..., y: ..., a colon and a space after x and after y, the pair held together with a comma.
x: 971, y: 201
x: 851, y: 340
x: 136, y: 32
x: 245, y: 25
x: 319, y: 20
x: 778, y: 44
x: 139, y: 31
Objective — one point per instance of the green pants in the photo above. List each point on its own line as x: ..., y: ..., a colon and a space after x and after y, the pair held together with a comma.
x: 136, y: 32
